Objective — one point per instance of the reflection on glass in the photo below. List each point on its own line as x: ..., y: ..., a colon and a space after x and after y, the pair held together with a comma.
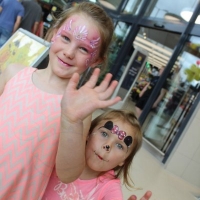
x: 121, y: 31
x: 163, y: 121
x: 132, y: 7
x: 170, y: 10
x: 110, y: 4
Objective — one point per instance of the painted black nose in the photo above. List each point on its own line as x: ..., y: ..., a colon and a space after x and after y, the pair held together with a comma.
x: 107, y: 147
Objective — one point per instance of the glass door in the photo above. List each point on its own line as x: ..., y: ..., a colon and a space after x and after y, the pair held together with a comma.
x: 180, y: 91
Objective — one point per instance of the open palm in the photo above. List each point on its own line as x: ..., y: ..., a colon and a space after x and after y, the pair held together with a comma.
x: 77, y: 104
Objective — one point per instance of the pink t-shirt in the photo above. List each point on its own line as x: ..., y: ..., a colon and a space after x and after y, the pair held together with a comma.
x: 29, y: 133
x: 101, y: 188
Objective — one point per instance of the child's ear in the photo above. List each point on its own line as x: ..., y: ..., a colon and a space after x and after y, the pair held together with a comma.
x: 121, y: 164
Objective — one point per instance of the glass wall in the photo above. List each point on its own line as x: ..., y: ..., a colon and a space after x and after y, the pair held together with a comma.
x: 157, y: 26
x: 180, y: 90
x: 111, y: 4
x: 132, y: 7
x: 120, y: 33
x: 176, y: 11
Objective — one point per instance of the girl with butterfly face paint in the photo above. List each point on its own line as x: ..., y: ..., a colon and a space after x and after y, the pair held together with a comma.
x: 113, y: 140
x: 35, y: 124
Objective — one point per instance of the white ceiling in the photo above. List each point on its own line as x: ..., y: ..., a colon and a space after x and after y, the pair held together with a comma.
x: 158, y: 44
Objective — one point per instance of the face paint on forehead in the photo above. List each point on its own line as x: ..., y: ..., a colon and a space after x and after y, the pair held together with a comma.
x: 121, y: 134
x: 80, y: 33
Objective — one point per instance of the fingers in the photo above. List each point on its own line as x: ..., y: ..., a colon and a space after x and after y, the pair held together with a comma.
x: 91, y: 83
x: 132, y: 197
x: 107, y: 103
x: 73, y: 82
x: 108, y: 91
x: 105, y: 83
x: 147, y: 195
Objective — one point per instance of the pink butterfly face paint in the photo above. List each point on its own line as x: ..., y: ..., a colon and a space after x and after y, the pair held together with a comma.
x: 84, y: 37
x: 120, y: 133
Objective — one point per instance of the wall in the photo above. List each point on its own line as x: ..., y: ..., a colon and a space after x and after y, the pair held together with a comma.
x: 185, y: 159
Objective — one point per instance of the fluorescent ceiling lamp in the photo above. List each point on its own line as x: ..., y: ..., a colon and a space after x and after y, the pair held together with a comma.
x: 150, y: 44
x: 186, y: 14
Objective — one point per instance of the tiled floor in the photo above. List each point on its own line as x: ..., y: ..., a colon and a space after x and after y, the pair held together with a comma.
x: 149, y: 174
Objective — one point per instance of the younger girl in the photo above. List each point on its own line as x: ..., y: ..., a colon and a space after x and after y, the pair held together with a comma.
x: 113, y: 140
x: 30, y: 110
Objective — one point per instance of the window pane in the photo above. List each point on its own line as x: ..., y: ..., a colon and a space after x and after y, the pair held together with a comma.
x: 121, y: 31
x: 132, y: 7
x: 172, y: 10
x: 111, y: 4
x: 182, y: 87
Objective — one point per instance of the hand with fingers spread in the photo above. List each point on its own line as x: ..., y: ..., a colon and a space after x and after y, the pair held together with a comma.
x: 146, y: 196
x: 77, y: 104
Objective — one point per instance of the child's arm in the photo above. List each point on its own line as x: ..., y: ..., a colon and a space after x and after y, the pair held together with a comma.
x: 8, y: 73
x: 77, y: 105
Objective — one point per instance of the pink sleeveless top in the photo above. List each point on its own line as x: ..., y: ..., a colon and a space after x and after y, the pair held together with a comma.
x: 29, y: 132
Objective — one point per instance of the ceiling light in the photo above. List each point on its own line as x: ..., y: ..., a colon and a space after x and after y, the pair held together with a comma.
x: 173, y: 17
x: 186, y: 14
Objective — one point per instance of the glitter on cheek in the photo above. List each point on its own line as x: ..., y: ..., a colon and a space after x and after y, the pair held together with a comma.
x: 92, y: 58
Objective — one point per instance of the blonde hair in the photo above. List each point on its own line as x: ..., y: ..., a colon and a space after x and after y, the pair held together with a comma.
x: 100, y: 18
x: 130, y: 118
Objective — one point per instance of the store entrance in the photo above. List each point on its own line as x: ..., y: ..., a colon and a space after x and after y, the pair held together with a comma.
x: 159, y: 45
x: 176, y: 95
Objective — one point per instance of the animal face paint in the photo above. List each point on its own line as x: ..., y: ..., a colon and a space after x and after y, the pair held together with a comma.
x: 74, y: 30
x: 120, y: 133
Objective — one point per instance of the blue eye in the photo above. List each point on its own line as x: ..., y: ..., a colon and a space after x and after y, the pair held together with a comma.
x: 104, y: 134
x: 120, y: 146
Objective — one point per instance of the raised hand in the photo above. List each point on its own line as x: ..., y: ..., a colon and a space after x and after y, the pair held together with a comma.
x: 146, y: 196
x: 77, y: 104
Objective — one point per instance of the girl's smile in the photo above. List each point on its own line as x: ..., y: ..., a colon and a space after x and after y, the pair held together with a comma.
x: 64, y: 63
x: 75, y: 46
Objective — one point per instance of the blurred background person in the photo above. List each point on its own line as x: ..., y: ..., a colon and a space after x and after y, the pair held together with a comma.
x: 32, y: 16
x: 146, y: 92
x: 40, y: 30
x: 11, y: 13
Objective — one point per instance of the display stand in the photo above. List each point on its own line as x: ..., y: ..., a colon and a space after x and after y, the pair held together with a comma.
x: 129, y: 76
x: 25, y: 48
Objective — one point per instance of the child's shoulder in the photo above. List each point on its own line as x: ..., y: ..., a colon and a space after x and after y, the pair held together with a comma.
x: 8, y: 73
x: 12, y: 70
